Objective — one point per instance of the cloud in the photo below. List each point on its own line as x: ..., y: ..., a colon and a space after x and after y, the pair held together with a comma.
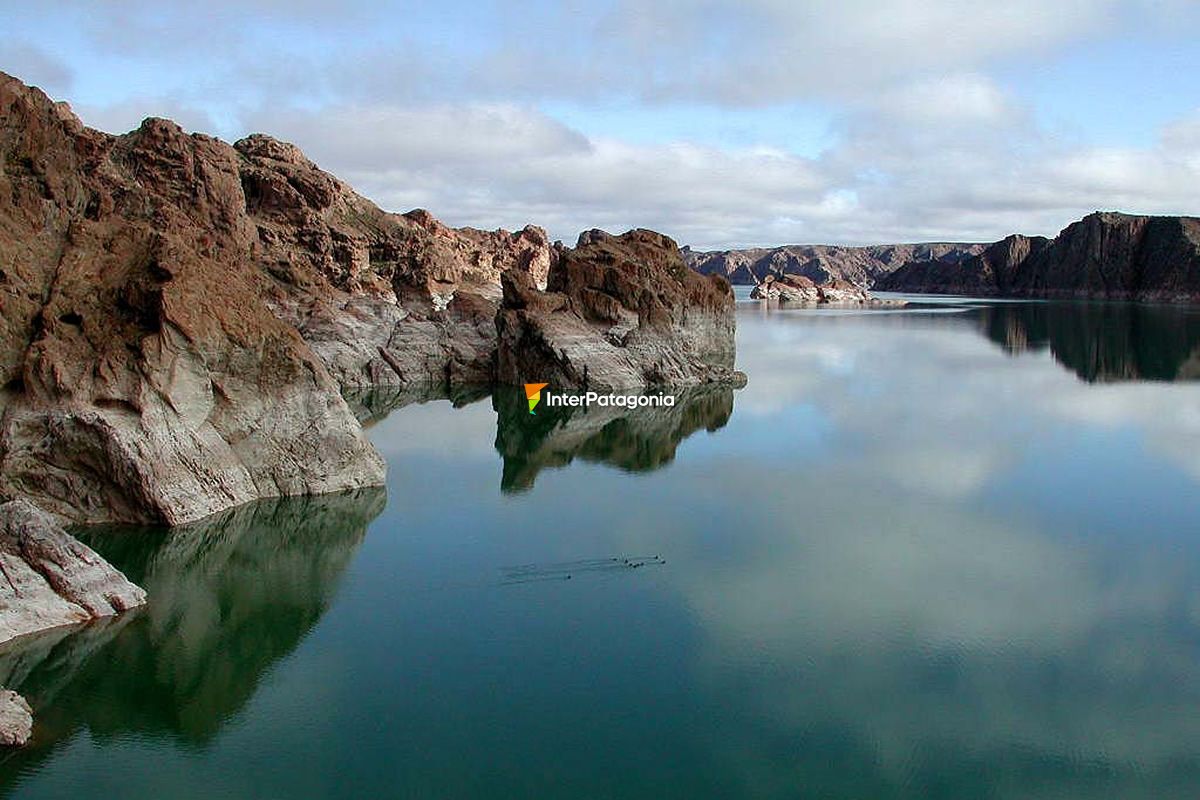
x: 950, y: 158
x: 433, y: 106
x: 35, y: 66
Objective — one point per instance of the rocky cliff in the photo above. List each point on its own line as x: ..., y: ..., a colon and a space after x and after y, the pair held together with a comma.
x: 619, y: 312
x: 822, y: 263
x: 1105, y: 255
x: 177, y: 315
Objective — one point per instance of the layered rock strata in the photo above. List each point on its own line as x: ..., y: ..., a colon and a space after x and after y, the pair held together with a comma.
x: 49, y: 578
x: 177, y: 316
x: 618, y: 312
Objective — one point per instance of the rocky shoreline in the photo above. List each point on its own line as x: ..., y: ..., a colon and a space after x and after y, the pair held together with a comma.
x: 179, y: 318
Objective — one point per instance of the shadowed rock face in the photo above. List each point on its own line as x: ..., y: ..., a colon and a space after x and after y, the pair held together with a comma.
x: 991, y: 272
x: 822, y: 263
x: 1105, y: 255
x: 177, y: 315
x: 231, y: 596
x: 618, y: 312
x: 1102, y: 342
x: 632, y: 439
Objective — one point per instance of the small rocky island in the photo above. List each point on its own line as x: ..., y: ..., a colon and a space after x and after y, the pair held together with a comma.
x: 179, y: 318
x: 799, y: 290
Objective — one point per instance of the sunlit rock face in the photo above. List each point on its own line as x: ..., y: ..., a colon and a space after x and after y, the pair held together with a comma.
x: 618, y: 312
x: 797, y: 290
x: 52, y: 579
x: 177, y: 315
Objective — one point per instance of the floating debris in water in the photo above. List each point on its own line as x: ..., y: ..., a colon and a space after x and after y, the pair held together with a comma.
x: 564, y: 570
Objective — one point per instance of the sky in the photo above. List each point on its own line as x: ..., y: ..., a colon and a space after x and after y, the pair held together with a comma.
x: 722, y: 124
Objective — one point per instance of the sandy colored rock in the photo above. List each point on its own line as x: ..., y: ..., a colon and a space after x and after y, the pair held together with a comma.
x: 50, y: 578
x: 797, y: 290
x: 16, y: 719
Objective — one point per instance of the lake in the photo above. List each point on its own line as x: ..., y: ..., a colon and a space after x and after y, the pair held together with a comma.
x: 945, y: 551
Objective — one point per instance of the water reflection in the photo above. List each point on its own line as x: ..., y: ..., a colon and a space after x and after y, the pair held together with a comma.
x: 1102, y: 342
x: 633, y: 439
x: 230, y: 596
x: 372, y: 404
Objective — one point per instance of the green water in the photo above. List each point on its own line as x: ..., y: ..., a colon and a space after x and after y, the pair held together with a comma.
x: 951, y: 551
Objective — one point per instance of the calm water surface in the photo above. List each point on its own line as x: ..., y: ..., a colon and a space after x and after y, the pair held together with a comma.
x: 951, y: 551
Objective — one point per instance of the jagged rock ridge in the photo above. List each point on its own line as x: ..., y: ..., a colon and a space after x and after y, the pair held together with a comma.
x: 822, y: 263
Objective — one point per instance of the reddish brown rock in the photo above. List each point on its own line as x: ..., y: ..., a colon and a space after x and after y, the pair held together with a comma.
x: 822, y: 263
x: 177, y: 315
x: 618, y: 312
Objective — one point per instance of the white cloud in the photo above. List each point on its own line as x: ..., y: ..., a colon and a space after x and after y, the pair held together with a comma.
x: 437, y: 108
x: 952, y: 158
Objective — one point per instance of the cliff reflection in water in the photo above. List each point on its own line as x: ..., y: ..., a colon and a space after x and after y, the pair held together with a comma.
x: 230, y: 596
x: 633, y: 439
x: 1103, y: 342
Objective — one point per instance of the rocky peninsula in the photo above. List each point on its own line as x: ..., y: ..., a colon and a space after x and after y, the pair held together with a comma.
x: 179, y: 318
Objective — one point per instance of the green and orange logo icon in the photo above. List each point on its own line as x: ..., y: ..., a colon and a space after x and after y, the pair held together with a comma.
x: 533, y: 391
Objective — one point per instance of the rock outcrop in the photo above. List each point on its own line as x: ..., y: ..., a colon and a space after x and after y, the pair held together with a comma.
x: 823, y: 263
x: 16, y: 719
x: 618, y: 312
x: 52, y: 579
x: 1105, y: 255
x: 798, y: 290
x: 178, y: 314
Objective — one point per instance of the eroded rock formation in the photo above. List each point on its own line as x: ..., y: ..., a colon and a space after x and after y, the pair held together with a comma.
x: 619, y: 312
x: 48, y: 578
x: 177, y: 315
x: 801, y: 291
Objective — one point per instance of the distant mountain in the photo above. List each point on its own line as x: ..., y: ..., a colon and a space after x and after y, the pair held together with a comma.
x: 1106, y: 255
x: 823, y: 263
